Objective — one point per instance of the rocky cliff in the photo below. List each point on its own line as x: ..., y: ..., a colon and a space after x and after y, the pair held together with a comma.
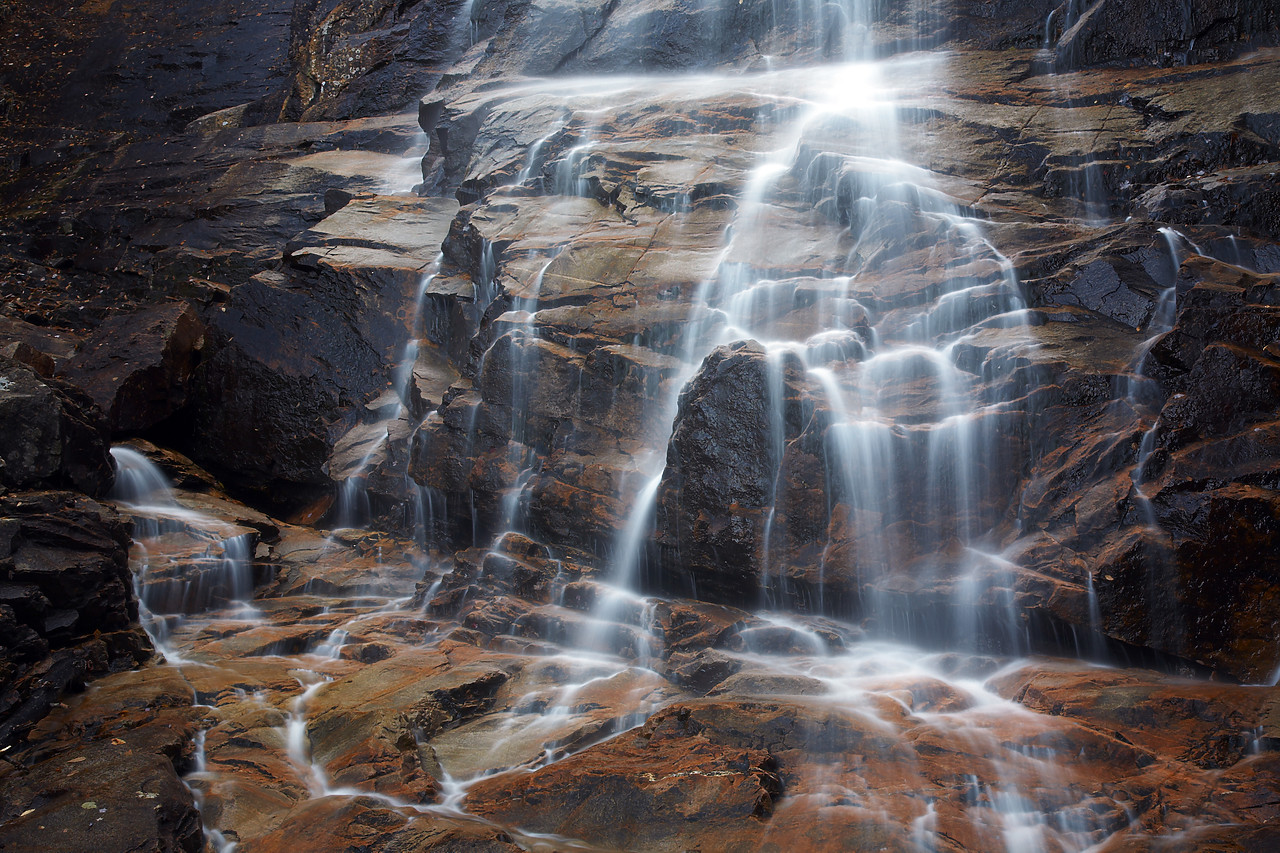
x: 659, y: 368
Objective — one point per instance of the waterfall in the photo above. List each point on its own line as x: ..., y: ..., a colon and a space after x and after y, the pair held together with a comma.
x: 192, y: 560
x: 746, y: 511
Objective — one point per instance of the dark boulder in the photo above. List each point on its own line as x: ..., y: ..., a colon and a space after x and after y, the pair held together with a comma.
x: 722, y: 461
x: 294, y: 355
x: 285, y: 369
x: 67, y: 609
x: 51, y: 434
x: 137, y: 367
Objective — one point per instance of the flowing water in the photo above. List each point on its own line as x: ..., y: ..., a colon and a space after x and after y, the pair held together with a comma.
x: 915, y: 439
x: 188, y: 561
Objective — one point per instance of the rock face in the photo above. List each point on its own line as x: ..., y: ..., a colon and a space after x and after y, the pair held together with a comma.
x: 67, y: 611
x: 356, y: 59
x: 273, y: 399
x: 53, y: 434
x: 1164, y: 33
x: 138, y: 366
x: 141, y: 64
x: 973, y: 348
x: 1031, y: 514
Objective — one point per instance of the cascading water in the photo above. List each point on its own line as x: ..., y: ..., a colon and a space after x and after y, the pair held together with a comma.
x: 368, y: 446
x: 930, y: 451
x: 856, y: 360
x: 191, y: 559
x: 891, y: 351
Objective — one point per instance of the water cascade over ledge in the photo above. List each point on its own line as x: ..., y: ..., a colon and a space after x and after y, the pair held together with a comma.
x: 767, y: 426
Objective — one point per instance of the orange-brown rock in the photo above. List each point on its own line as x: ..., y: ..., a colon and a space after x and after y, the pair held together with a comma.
x: 659, y: 787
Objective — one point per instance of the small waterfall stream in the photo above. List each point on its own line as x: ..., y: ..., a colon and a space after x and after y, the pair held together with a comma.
x: 190, y: 562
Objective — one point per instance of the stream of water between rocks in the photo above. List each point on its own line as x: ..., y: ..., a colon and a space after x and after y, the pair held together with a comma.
x: 342, y: 694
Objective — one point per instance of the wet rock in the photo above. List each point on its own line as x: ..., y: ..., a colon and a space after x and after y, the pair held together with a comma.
x: 692, y: 625
x: 333, y: 825
x: 378, y: 564
x: 193, y: 566
x: 404, y: 701
x: 1210, y: 725
x: 1164, y: 33
x: 1227, y: 388
x: 53, y: 436
x: 273, y: 399
x: 104, y: 798
x: 566, y: 308
x: 757, y: 684
x: 137, y: 367
x: 783, y: 640
x: 355, y: 59
x: 718, y: 483
x: 649, y: 788
x: 116, y: 747
x: 192, y: 480
x: 675, y: 36
x: 151, y: 74
x: 24, y: 353
x: 1058, y: 471
x: 1114, y: 289
x: 41, y: 345
x: 67, y: 611
x: 700, y: 671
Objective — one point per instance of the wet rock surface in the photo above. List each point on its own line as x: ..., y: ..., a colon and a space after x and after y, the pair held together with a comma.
x: 339, y: 712
x: 1162, y: 33
x: 53, y: 434
x: 355, y: 59
x: 1072, y: 387
x: 138, y: 366
x: 945, y: 350
x: 67, y: 612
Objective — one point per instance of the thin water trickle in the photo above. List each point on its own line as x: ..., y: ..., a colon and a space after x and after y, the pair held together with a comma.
x: 197, y: 782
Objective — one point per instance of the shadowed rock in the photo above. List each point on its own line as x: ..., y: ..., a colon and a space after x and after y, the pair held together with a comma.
x: 138, y: 366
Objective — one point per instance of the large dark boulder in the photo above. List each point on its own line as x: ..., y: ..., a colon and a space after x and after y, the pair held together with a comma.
x: 294, y: 355
x: 51, y: 434
x: 137, y: 366
x: 286, y: 368
x: 718, y: 486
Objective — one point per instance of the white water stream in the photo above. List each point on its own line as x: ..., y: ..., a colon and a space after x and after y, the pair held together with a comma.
x: 932, y: 456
